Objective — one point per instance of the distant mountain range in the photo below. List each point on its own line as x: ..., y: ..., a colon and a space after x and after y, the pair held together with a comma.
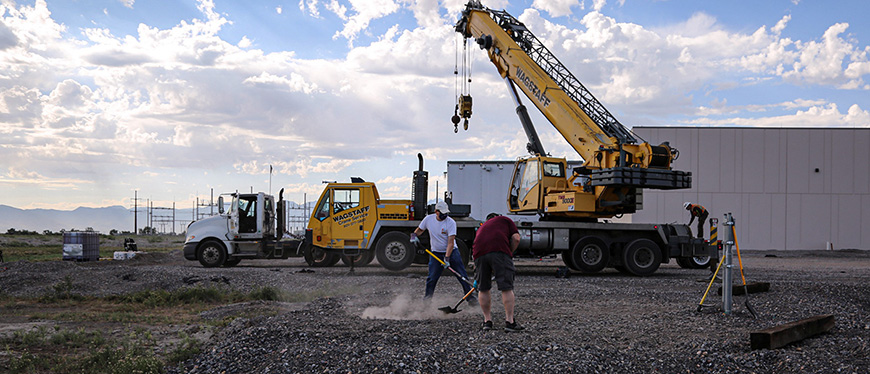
x: 101, y: 219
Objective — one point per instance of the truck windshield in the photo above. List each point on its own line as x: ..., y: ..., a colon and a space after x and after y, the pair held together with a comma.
x: 323, y: 209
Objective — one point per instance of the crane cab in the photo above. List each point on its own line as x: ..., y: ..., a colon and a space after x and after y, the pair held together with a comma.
x: 543, y: 185
x: 536, y: 178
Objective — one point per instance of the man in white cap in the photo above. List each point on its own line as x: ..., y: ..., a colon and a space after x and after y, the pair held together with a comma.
x: 442, y: 235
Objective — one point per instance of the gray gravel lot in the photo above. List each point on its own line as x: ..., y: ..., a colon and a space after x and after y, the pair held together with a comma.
x: 374, y: 320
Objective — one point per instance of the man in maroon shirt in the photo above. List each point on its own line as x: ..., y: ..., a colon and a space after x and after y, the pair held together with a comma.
x: 494, y: 245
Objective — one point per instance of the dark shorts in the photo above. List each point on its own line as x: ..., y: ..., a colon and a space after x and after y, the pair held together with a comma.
x: 496, y: 264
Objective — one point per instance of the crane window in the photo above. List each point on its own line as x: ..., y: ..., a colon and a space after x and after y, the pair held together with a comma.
x: 345, y: 199
x: 530, y: 178
x: 553, y: 169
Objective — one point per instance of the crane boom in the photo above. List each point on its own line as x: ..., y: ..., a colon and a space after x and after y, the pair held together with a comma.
x: 540, y: 58
x: 616, y: 166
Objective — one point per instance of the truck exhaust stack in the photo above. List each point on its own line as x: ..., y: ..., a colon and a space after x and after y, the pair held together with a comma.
x: 420, y: 190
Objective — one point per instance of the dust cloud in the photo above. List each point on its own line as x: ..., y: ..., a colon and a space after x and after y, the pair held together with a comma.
x: 407, y: 307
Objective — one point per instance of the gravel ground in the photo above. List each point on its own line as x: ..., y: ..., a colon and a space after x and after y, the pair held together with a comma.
x: 373, y: 320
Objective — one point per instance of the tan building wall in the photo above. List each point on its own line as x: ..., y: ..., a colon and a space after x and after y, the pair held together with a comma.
x: 788, y: 189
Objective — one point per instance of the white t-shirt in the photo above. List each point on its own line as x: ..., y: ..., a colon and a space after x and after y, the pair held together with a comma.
x: 438, y: 232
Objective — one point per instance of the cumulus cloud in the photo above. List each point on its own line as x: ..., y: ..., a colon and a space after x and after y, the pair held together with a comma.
x: 295, y: 83
x: 819, y: 116
x: 557, y: 8
x: 821, y: 62
x: 7, y: 37
x: 364, y: 11
x: 309, y: 7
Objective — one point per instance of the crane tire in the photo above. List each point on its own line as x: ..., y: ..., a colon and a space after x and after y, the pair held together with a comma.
x: 590, y: 254
x: 642, y: 257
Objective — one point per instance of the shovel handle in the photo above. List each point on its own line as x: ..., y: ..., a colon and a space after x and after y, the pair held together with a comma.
x: 435, y: 257
x: 739, y: 259
x: 464, y: 279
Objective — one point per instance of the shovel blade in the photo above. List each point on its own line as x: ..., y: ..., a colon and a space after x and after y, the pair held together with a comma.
x: 449, y: 309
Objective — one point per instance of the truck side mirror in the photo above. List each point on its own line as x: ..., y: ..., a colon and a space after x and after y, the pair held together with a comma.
x: 221, y: 204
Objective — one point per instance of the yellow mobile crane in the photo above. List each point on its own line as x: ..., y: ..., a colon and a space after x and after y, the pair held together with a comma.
x: 616, y: 169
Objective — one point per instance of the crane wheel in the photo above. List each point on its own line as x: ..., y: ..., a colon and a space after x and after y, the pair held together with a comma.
x: 590, y: 254
x: 642, y: 257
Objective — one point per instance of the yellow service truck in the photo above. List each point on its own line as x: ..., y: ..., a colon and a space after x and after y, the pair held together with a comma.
x: 351, y: 221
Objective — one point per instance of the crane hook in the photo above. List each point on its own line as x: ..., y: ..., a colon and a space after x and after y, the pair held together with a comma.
x: 455, y: 119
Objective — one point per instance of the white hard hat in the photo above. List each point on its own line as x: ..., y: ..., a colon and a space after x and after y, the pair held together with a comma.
x: 442, y: 207
x: 686, y: 205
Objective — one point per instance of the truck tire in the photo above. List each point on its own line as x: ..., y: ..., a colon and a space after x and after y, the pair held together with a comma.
x: 364, y: 258
x: 590, y: 254
x: 700, y: 262
x: 318, y: 258
x: 394, y: 251
x: 211, y: 253
x: 642, y: 257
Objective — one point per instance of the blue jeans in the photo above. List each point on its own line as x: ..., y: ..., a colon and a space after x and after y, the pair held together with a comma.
x: 435, y: 270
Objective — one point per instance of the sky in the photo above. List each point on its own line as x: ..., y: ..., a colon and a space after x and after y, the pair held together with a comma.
x: 104, y: 100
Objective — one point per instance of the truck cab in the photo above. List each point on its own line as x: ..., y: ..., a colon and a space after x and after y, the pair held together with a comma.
x: 349, y: 218
x: 251, y: 216
x: 252, y: 228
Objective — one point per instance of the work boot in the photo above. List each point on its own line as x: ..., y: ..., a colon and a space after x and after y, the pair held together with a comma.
x: 487, y: 326
x: 472, y: 302
x: 513, y: 327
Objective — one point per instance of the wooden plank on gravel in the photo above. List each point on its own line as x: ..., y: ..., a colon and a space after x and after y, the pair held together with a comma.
x: 782, y: 335
x: 755, y: 287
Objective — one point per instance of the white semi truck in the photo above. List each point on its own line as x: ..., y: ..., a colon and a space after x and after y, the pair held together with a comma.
x: 252, y: 228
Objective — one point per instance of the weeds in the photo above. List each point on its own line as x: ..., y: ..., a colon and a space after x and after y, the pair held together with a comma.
x: 197, y: 295
x: 83, y: 351
x: 185, y: 350
x: 47, y: 350
x: 61, y: 291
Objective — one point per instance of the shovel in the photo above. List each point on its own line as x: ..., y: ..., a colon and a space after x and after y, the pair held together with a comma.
x: 448, y: 309
x: 745, y: 289
x: 464, y: 279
